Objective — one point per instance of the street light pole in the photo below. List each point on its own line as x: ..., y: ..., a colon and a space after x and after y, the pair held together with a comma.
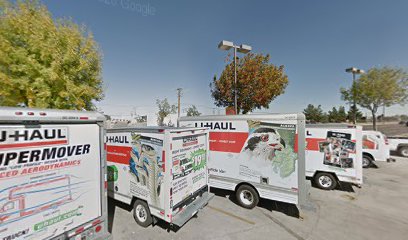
x: 354, y: 71
x: 235, y: 81
x: 227, y: 45
x: 354, y: 99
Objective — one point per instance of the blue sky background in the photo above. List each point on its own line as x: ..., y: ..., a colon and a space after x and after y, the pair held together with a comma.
x: 148, y: 55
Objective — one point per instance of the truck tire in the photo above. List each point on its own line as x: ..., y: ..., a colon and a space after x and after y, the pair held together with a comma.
x: 247, y: 197
x: 141, y: 213
x: 325, y: 181
x: 367, y: 161
x: 403, y: 151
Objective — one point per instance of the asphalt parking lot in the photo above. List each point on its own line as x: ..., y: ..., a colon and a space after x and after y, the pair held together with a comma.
x: 378, y: 210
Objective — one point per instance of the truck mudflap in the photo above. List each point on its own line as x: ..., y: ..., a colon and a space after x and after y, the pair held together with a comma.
x: 190, y: 210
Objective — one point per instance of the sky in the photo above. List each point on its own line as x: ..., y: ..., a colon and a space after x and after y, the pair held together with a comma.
x: 150, y: 48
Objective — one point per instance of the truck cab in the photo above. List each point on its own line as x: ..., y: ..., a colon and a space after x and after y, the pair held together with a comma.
x: 375, y: 148
x: 399, y: 145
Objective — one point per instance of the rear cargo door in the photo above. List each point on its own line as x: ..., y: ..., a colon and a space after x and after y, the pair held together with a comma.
x: 50, y: 179
x: 189, y: 165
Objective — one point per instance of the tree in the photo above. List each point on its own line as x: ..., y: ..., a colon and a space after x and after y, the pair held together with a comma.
x: 384, y: 86
x: 337, y: 116
x: 341, y: 114
x: 46, y: 63
x: 350, y: 113
x: 193, y: 111
x: 333, y: 115
x: 258, y: 83
x: 315, y: 114
x: 165, y: 109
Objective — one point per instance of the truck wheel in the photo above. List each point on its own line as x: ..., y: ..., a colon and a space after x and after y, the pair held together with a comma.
x: 325, y: 181
x: 141, y: 213
x: 367, y: 161
x: 247, y: 196
x: 403, y: 151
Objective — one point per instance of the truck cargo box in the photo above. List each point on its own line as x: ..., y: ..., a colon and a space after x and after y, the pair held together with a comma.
x: 52, y: 172
x: 257, y: 155
x: 334, y: 153
x: 161, y: 171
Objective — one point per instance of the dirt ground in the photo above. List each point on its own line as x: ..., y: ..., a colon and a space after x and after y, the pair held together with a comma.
x: 390, y: 129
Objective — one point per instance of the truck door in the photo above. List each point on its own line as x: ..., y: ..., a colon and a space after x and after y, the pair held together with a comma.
x: 189, y: 157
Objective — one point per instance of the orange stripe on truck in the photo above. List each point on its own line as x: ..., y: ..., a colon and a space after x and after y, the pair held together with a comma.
x: 118, y: 154
x: 227, y: 141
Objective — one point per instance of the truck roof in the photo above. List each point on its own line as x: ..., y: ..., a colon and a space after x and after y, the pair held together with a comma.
x: 34, y: 115
x: 259, y: 116
x: 154, y: 129
x: 372, y: 132
x: 332, y: 125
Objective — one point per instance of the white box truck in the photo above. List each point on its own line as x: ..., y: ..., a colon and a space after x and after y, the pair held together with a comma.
x: 52, y: 175
x: 257, y: 156
x: 399, y: 145
x: 162, y: 172
x: 375, y: 148
x: 334, y: 154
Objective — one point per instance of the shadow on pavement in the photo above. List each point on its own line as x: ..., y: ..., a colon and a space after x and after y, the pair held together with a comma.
x: 343, y: 186
x: 285, y: 208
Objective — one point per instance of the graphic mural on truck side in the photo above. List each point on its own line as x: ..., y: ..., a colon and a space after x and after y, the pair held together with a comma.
x: 337, y: 149
x: 274, y: 143
x: 253, y: 150
x: 136, y: 166
x: 146, y: 164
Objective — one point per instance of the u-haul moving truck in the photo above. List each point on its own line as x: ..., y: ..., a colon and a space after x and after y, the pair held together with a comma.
x: 333, y: 154
x: 161, y: 172
x: 52, y: 175
x: 256, y: 156
x: 375, y: 148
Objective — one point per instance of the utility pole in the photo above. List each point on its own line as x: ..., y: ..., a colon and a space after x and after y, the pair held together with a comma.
x: 178, y: 105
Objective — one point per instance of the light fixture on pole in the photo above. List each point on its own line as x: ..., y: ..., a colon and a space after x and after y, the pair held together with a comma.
x: 354, y: 71
x: 227, y: 45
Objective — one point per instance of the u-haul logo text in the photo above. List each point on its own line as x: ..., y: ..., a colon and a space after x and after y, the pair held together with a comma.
x: 23, y: 137
x: 116, y: 139
x: 188, y: 141
x: 216, y: 125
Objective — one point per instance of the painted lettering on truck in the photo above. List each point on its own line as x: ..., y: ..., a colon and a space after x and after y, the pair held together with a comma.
x: 216, y: 125
x: 15, y: 136
x: 38, y: 155
x: 117, y: 139
x: 45, y: 172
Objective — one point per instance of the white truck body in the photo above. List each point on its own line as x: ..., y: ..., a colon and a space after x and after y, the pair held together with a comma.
x: 166, y: 168
x: 52, y: 172
x: 335, y: 149
x: 399, y: 145
x: 375, y: 145
x: 257, y: 150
